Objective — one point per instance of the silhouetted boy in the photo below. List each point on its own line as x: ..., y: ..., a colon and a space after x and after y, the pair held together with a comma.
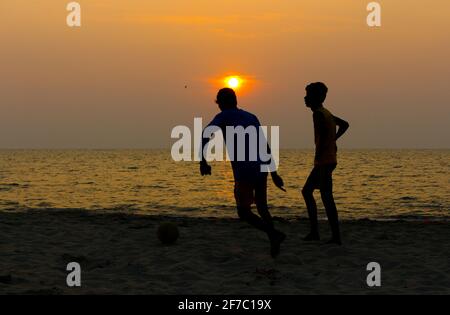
x: 250, y: 183
x: 324, y: 162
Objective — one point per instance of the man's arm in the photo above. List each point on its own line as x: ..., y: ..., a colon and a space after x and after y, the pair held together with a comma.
x: 343, y: 126
x: 205, y: 169
x: 277, y: 180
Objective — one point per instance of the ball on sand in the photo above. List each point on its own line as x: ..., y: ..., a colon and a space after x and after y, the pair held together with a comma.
x: 168, y: 233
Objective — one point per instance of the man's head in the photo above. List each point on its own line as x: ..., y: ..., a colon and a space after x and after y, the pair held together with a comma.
x: 316, y: 94
x: 226, y: 99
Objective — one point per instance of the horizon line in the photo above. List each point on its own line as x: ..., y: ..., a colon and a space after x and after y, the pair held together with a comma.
x: 168, y: 148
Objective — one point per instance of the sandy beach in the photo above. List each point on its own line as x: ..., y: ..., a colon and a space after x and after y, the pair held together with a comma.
x: 120, y: 254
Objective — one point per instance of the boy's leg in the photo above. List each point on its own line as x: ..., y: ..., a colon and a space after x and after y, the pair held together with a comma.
x: 326, y: 191
x: 307, y: 192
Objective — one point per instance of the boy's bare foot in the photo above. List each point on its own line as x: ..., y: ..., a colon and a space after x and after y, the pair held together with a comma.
x: 275, y: 241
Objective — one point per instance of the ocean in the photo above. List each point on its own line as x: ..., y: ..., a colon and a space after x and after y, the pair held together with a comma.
x: 373, y: 184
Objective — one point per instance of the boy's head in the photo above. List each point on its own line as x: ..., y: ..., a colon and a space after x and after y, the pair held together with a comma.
x: 226, y: 99
x: 316, y: 93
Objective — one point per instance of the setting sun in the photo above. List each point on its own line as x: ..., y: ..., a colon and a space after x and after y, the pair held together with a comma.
x: 233, y: 82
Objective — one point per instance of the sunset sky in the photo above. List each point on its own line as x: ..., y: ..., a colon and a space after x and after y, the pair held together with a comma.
x: 137, y: 68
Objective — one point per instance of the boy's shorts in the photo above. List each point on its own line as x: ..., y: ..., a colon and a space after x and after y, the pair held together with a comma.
x: 321, y: 178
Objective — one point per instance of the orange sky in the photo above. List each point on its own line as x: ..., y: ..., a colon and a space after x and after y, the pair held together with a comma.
x: 119, y: 80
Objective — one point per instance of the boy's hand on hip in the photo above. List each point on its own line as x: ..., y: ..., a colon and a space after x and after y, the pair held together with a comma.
x: 278, y: 181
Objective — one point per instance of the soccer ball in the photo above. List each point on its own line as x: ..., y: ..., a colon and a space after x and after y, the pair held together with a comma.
x: 168, y: 233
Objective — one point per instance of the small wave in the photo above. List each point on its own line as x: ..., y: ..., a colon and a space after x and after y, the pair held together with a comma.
x: 150, y: 187
x: 414, y: 218
x: 408, y: 198
x: 124, y: 207
x: 44, y: 205
x: 9, y: 203
x: 11, y: 186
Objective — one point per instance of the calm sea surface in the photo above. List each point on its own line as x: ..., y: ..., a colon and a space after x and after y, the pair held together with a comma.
x: 376, y: 184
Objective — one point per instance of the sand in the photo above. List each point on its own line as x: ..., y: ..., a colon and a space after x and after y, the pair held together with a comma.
x: 120, y: 254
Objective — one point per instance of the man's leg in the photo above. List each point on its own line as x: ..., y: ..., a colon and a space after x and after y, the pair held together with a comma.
x: 261, y: 201
x: 307, y: 192
x: 243, y: 193
x: 245, y: 213
x: 276, y: 237
x: 326, y: 191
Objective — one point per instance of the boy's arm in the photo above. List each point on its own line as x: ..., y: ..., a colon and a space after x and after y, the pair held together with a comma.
x: 319, y: 132
x: 343, y: 126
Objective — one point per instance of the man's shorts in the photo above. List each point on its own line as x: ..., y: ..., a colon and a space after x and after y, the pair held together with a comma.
x: 252, y: 191
x: 321, y: 178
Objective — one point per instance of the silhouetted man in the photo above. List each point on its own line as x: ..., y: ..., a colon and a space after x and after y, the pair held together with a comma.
x: 250, y: 183
x: 325, y: 161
